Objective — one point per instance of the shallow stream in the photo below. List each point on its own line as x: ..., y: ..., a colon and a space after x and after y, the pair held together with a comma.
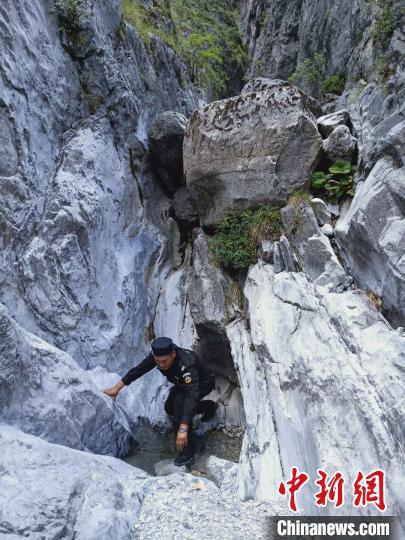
x: 151, y: 446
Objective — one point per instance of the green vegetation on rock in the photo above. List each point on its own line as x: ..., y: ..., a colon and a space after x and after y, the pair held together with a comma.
x: 203, y: 33
x: 310, y: 71
x: 384, y: 24
x: 335, y: 84
x: 337, y: 183
x: 237, y: 239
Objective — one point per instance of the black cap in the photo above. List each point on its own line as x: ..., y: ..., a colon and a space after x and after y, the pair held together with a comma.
x: 162, y: 346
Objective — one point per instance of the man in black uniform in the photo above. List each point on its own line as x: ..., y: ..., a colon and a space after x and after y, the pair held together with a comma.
x: 192, y: 381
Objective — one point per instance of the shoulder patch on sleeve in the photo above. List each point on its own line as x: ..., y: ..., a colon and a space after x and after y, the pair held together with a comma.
x: 187, y: 378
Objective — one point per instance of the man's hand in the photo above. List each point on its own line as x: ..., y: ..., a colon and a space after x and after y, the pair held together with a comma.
x: 113, y: 391
x: 182, y: 438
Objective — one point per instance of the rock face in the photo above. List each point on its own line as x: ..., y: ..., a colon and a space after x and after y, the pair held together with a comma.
x: 251, y: 149
x: 44, y: 392
x: 372, y: 237
x: 60, y: 492
x: 166, y: 136
x: 315, y: 361
x: 78, y: 205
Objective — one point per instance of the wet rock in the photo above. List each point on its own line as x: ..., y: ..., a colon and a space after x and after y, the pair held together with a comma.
x: 250, y: 149
x: 372, y: 237
x: 321, y: 211
x: 44, y: 392
x: 328, y: 123
x: 340, y: 145
x: 166, y: 467
x: 166, y: 135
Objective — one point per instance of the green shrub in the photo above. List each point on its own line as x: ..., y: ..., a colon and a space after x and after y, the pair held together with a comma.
x: 384, y: 24
x: 335, y: 84
x: 204, y: 33
x: 337, y: 183
x: 238, y: 236
x: 309, y: 71
x: 67, y: 12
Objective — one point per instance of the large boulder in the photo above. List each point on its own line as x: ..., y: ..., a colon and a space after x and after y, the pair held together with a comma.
x: 371, y: 236
x: 50, y: 491
x: 322, y: 383
x: 166, y: 136
x: 44, y: 392
x: 254, y: 148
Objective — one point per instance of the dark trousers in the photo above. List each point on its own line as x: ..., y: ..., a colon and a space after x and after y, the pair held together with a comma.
x: 174, y: 405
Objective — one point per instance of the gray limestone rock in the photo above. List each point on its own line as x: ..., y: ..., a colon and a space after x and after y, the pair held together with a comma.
x: 44, y: 392
x: 305, y: 342
x: 212, y: 306
x: 322, y: 212
x: 340, y: 145
x: 287, y: 254
x: 250, y: 149
x: 185, y: 208
x: 321, y: 263
x: 371, y: 236
x: 328, y: 123
x: 60, y: 492
x: 166, y: 135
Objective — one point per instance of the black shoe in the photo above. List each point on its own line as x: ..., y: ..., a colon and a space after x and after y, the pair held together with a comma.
x: 184, y: 458
x: 206, y: 417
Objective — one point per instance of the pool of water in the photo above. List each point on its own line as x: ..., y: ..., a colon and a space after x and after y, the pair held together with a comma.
x: 151, y: 446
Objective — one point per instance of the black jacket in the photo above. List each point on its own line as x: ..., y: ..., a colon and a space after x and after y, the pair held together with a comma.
x: 186, y: 372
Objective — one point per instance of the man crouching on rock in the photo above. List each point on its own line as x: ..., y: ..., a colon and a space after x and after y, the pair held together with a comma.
x: 192, y: 381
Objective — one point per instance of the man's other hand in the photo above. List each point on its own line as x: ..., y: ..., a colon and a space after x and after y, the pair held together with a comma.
x: 181, y: 440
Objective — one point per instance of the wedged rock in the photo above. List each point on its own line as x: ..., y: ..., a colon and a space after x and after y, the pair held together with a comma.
x: 340, y: 144
x: 44, y: 392
x: 254, y: 148
x: 329, y: 122
x: 212, y: 306
x: 166, y: 135
x: 315, y: 360
x: 371, y: 236
x: 278, y: 262
x: 185, y: 208
x: 322, y: 213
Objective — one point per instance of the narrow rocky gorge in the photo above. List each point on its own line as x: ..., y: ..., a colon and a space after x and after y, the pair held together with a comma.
x: 115, y: 174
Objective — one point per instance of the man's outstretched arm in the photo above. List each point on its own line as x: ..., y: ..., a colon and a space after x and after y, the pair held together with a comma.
x: 134, y: 373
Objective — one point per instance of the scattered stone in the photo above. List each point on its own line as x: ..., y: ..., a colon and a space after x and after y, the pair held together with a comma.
x: 322, y: 213
x: 327, y: 229
x: 330, y: 122
x: 340, y: 145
